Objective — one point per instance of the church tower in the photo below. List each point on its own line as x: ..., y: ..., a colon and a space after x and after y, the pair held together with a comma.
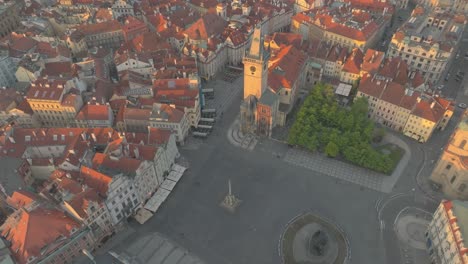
x: 256, y: 66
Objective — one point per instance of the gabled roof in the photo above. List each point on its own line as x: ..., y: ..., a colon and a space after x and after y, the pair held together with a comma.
x: 285, y: 68
x: 21, y: 198
x: 354, y: 61
x: 96, y: 180
x: 80, y: 202
x: 34, y: 231
x: 94, y: 112
x: 372, y: 61
x: 99, y: 28
x: 207, y: 26
x: 125, y: 165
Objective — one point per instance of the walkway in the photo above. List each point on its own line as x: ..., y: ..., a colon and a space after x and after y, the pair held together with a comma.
x: 351, y: 173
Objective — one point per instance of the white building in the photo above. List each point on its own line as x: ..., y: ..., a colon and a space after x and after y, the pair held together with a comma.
x: 122, y: 8
x: 167, y: 117
x: 447, y: 232
x: 122, y: 199
x: 427, y: 41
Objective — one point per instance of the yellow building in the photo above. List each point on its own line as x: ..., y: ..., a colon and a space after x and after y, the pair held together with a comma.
x: 451, y: 171
x: 271, y: 84
x: 415, y: 114
x: 53, y: 104
x: 256, y: 67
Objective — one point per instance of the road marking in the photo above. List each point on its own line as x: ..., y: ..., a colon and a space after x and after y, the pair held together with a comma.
x: 377, y: 203
x: 382, y: 225
x: 393, y: 197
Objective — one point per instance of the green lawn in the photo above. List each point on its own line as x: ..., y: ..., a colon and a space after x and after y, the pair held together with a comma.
x: 393, y: 151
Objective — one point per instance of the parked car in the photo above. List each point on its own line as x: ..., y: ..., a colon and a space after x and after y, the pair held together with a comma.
x: 447, y: 77
x: 440, y: 87
x: 462, y: 105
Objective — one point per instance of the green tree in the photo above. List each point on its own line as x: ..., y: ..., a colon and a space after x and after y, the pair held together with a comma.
x: 332, y: 149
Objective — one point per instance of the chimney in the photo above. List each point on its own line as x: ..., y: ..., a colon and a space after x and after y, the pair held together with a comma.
x: 433, y: 104
x: 418, y: 99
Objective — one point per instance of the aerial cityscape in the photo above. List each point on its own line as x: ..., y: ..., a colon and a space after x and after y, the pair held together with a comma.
x: 233, y: 131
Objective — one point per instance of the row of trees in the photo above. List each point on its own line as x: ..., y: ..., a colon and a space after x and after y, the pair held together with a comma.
x: 323, y: 125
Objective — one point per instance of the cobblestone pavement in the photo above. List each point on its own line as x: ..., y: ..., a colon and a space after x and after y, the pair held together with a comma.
x: 334, y: 168
x: 224, y: 94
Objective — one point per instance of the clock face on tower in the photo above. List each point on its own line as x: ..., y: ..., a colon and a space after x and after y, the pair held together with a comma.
x: 252, y: 69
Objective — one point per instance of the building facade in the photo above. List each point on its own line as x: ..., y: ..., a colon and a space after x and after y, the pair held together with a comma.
x: 9, y: 17
x: 7, y: 72
x: 446, y: 234
x: 427, y: 42
x: 52, y: 103
x: 451, y: 170
x: 415, y: 114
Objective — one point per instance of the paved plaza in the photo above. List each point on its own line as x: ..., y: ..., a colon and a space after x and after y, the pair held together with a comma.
x: 410, y: 227
x: 224, y: 94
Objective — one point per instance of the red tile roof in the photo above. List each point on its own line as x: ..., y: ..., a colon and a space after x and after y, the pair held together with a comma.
x: 286, y: 39
x: 94, y: 112
x: 372, y: 61
x: 61, y: 68
x: 80, y: 202
x: 206, y: 27
x: 99, y: 28
x: 354, y: 61
x: 123, y: 164
x: 285, y: 68
x: 328, y: 22
x: 96, y: 180
x: 44, y: 89
x: 103, y: 14
x: 136, y: 114
x: 33, y: 231
x: 21, y: 198
x: 393, y: 93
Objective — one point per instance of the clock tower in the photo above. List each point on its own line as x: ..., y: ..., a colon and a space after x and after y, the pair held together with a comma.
x: 256, y: 66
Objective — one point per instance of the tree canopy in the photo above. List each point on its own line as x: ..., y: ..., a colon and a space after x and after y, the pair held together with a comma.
x: 323, y: 125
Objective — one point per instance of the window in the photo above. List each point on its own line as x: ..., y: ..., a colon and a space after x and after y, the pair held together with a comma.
x: 462, y: 187
x: 462, y: 144
x: 454, y: 177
